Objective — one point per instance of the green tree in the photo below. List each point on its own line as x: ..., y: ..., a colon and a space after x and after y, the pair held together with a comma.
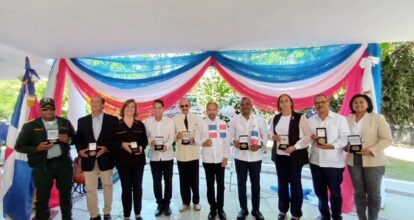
x: 213, y: 88
x: 398, y: 83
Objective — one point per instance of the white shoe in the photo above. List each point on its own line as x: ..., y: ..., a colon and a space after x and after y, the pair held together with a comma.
x: 183, y: 208
x: 197, y: 207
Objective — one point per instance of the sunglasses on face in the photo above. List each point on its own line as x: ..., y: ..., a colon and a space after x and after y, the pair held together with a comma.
x: 48, y: 109
x: 182, y: 106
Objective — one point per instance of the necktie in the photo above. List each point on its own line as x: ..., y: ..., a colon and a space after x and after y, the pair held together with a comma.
x: 186, y: 123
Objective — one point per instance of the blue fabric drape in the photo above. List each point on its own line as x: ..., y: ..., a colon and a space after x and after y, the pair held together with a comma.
x: 374, y: 49
x: 268, y: 65
x: 139, y: 72
x: 285, y: 65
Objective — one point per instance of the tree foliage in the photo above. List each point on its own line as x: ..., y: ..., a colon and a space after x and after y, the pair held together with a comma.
x: 398, y: 83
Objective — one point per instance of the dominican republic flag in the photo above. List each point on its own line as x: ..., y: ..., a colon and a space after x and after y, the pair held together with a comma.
x: 254, y: 138
x: 212, y: 131
x: 222, y: 130
x: 215, y: 131
x: 17, y: 187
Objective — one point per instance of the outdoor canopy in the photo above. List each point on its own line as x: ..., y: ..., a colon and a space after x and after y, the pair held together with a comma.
x: 46, y: 29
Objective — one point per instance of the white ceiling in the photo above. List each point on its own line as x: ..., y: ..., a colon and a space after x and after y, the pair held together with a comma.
x: 47, y: 29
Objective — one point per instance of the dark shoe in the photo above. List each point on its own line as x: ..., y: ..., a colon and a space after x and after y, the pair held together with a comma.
x: 158, y: 211
x: 222, y: 215
x: 258, y: 215
x: 281, y: 216
x: 242, y: 214
x: 107, y: 217
x: 167, y: 211
x: 139, y: 218
x: 97, y: 218
x: 211, y: 216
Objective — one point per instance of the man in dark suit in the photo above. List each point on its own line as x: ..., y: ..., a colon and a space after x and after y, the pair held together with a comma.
x: 95, y: 139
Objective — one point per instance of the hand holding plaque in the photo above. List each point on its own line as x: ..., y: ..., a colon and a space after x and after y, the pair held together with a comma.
x: 159, y: 143
x: 134, y: 148
x: 52, y: 135
x: 284, y: 142
x: 355, y: 143
x: 92, y: 149
x: 186, y: 138
x: 244, y: 142
x: 322, y: 138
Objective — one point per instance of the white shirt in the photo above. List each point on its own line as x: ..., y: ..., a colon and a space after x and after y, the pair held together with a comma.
x: 97, y: 125
x: 356, y: 127
x: 219, y: 136
x: 240, y: 126
x: 337, y: 131
x: 282, y: 128
x: 164, y: 128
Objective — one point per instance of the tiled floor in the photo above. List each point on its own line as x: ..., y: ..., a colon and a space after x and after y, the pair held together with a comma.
x: 397, y: 206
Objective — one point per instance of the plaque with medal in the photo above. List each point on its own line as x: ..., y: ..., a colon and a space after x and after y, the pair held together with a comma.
x: 355, y: 143
x: 159, y: 143
x: 134, y: 148
x: 244, y: 142
x: 322, y: 138
x: 92, y: 149
x: 52, y: 135
x: 284, y: 142
x: 186, y: 138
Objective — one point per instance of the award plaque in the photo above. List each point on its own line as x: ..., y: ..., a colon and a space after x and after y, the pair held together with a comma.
x: 186, y: 138
x: 284, y: 142
x: 355, y: 143
x: 244, y: 142
x: 92, y: 149
x: 321, y: 133
x: 134, y: 148
x: 159, y: 143
x: 52, y: 136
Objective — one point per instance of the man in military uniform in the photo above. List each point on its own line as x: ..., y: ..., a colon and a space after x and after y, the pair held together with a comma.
x: 46, y: 141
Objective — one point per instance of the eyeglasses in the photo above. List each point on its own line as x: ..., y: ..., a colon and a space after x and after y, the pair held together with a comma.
x: 182, y: 106
x: 48, y: 109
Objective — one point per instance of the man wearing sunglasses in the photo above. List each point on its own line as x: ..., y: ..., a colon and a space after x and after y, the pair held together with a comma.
x: 187, y: 153
x: 46, y: 141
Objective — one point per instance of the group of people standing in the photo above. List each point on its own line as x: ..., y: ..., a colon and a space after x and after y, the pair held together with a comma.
x: 104, y: 141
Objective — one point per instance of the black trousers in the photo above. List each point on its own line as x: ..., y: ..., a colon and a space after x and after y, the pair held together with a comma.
x: 289, y: 174
x: 59, y: 169
x: 252, y: 169
x: 160, y: 169
x: 325, y: 178
x: 189, y: 174
x: 131, y: 183
x: 215, y: 173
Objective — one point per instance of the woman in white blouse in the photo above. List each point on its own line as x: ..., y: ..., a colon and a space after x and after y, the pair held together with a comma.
x: 289, y: 154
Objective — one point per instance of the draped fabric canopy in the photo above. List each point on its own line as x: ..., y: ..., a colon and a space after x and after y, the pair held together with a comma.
x: 262, y: 75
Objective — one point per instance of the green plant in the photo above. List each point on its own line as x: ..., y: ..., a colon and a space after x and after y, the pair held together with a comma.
x: 398, y: 83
